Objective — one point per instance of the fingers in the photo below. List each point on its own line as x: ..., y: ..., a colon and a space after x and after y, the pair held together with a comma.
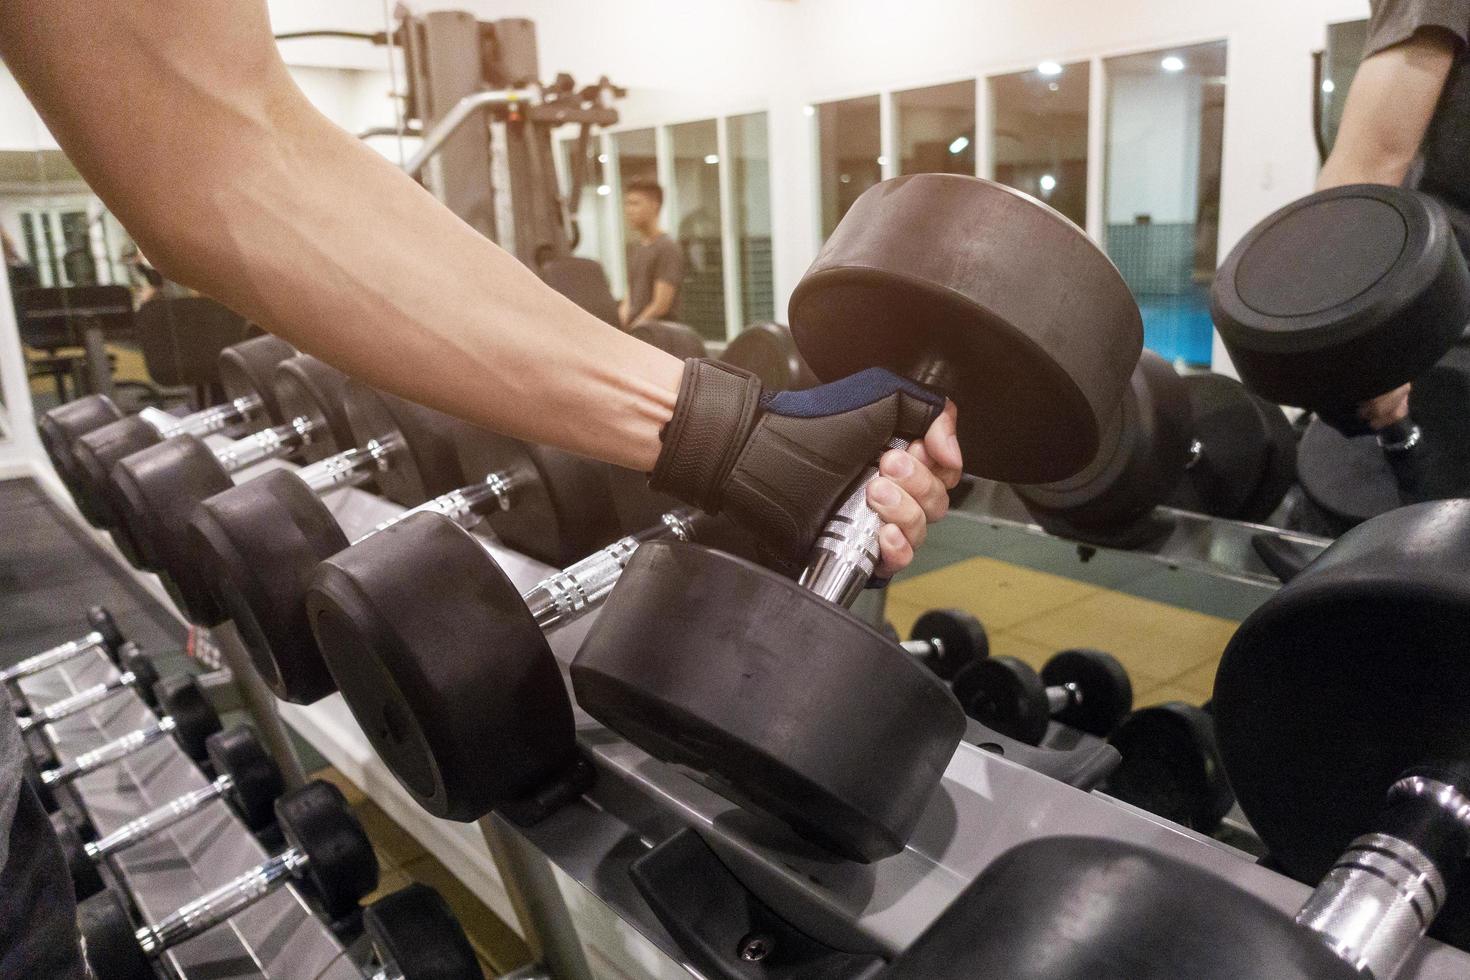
x: 913, y: 476
x: 894, y: 550
x: 942, y: 449
x: 895, y: 506
x: 1386, y: 409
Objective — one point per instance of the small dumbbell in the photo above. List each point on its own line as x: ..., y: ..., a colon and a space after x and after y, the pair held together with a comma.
x: 187, y: 716
x: 137, y: 675
x: 102, y: 635
x: 1084, y: 689
x: 944, y: 640
x: 327, y: 847
x: 257, y: 543
x: 1171, y: 766
x: 245, y: 369
x: 415, y: 936
x: 247, y: 779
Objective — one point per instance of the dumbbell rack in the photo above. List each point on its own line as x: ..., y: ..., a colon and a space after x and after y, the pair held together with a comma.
x: 986, y: 805
x: 279, y: 936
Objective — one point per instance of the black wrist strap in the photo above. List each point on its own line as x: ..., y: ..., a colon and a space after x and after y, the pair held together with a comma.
x: 715, y: 411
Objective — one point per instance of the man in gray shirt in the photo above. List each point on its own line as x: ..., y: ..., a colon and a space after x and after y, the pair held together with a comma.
x: 655, y: 263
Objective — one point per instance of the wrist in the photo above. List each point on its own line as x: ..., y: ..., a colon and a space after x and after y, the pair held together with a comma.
x: 716, y: 408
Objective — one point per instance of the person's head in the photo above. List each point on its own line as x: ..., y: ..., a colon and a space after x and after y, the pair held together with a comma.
x: 641, y: 203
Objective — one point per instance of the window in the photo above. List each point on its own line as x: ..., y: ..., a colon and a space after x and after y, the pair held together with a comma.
x: 849, y: 155
x: 593, y: 194
x: 694, y: 218
x: 1166, y: 113
x: 1038, y: 134
x: 750, y: 177
x: 1339, y: 66
x: 936, y: 129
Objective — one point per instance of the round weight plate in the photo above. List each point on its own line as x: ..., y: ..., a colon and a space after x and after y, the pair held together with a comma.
x: 1148, y: 916
x: 414, y: 930
x: 183, y: 700
x: 705, y: 659
x: 1351, y: 673
x: 961, y: 637
x: 256, y: 546
x: 768, y: 351
x: 1171, y: 766
x: 85, y: 880
x: 147, y: 487
x: 940, y: 277
x: 1280, y: 475
x: 1107, y: 694
x: 311, y: 389
x: 1006, y: 695
x: 63, y: 425
x: 247, y: 368
x: 1234, y: 447
x: 425, y: 462
x: 145, y: 676
x: 109, y: 941
x: 256, y: 780
x: 1138, y: 465
x: 1342, y: 295
x: 97, y: 452
x: 443, y: 667
x: 1352, y: 479
x: 100, y: 621
x: 673, y: 338
x: 341, y: 862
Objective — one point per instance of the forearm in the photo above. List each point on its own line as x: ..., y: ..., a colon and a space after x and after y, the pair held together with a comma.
x: 235, y: 185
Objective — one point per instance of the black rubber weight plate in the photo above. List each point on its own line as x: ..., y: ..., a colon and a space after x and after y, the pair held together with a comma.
x: 1235, y: 447
x: 97, y: 452
x: 341, y: 861
x: 674, y: 338
x: 426, y: 463
x: 257, y: 545
x: 1171, y: 766
x: 61, y: 426
x: 109, y: 940
x: 443, y: 667
x: 308, y: 388
x: 183, y: 700
x: 414, y: 930
x: 255, y: 777
x: 1352, y: 673
x: 768, y: 351
x: 1107, y: 693
x: 705, y: 659
x: 85, y: 879
x: 942, y: 271
x: 246, y: 369
x: 961, y: 636
x: 1007, y: 695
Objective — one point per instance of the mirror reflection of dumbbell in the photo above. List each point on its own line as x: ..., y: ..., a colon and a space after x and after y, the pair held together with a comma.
x: 415, y: 936
x: 1171, y: 766
x: 186, y: 715
x: 256, y: 544
x: 245, y: 370
x: 137, y: 674
x: 1088, y: 690
x: 327, y: 848
x: 102, y: 635
x: 247, y: 780
x: 946, y: 641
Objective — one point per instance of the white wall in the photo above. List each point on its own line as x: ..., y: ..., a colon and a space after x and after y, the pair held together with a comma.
x: 1153, y: 137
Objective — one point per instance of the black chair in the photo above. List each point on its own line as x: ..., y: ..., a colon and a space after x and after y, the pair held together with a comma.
x: 583, y: 282
x: 181, y: 338
x: 54, y: 321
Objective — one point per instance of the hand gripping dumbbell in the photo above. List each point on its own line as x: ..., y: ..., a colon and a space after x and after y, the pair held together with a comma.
x: 245, y: 370
x: 1171, y: 766
x: 186, y: 715
x: 326, y: 847
x: 247, y: 780
x: 137, y: 675
x: 1083, y: 689
x: 1309, y: 324
x: 103, y: 635
x: 415, y: 936
x: 947, y: 641
x: 257, y: 543
x: 705, y: 660
x: 445, y: 663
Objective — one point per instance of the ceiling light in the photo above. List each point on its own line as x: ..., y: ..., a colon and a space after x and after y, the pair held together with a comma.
x: 1329, y: 86
x: 882, y: 161
x: 603, y: 190
x: 959, y: 144
x: 712, y: 159
x: 1172, y: 63
x: 1048, y: 183
x: 1049, y: 69
x: 810, y: 110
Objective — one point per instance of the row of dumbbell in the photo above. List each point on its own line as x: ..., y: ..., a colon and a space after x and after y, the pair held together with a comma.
x: 413, y: 931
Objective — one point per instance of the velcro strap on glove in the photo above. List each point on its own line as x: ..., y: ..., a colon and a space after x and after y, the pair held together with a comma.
x: 716, y: 409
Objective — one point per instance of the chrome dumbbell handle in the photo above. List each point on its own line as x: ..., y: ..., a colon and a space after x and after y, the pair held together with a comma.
x: 109, y: 753
x: 80, y: 701
x: 272, y: 443
x: 47, y: 659
x: 141, y: 828
x: 845, y: 555
x: 204, y: 422
x: 349, y: 468
x: 463, y: 505
x: 211, y: 909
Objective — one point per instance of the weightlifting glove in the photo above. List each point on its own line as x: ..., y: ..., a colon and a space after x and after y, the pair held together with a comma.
x: 779, y: 463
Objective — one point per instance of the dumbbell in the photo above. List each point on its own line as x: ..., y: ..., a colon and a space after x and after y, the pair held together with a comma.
x: 327, y: 848
x: 768, y: 351
x: 1242, y: 455
x: 103, y: 636
x: 415, y: 936
x: 675, y: 338
x: 946, y: 641
x: 245, y: 369
x: 1312, y: 324
x: 1084, y: 689
x: 247, y: 780
x: 708, y: 661
x: 137, y: 674
x: 256, y: 544
x: 1171, y: 766
x: 186, y: 715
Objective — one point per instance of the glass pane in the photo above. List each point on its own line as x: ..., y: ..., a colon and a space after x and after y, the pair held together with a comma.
x: 936, y: 129
x: 637, y: 159
x: 1038, y: 134
x: 593, y: 194
x: 1166, y: 112
x: 848, y: 148
x: 750, y: 175
x: 1339, y: 65
x: 695, y: 218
